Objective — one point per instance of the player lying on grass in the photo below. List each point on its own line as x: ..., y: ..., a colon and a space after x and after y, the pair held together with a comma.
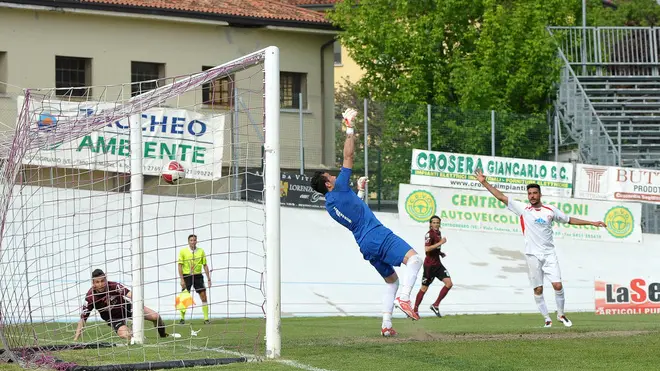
x: 109, y: 299
x: 536, y: 223
x: 379, y: 245
x: 433, y: 267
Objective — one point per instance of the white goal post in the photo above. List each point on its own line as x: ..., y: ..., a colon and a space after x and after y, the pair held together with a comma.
x: 52, y: 213
x: 272, y: 198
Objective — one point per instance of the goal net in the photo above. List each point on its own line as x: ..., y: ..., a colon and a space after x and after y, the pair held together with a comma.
x: 89, y: 188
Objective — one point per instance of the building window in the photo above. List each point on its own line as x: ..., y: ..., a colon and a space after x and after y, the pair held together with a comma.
x: 3, y: 72
x: 72, y: 76
x: 292, y: 84
x: 337, y: 53
x: 219, y: 92
x: 146, y: 76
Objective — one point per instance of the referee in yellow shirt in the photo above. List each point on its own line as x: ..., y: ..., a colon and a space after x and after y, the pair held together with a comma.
x: 191, y: 261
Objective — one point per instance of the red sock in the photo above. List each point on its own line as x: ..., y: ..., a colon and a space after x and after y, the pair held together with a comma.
x: 418, y: 299
x: 442, y: 295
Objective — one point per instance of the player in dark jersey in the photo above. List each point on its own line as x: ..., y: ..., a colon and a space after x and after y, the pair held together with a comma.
x: 110, y: 300
x: 379, y: 245
x: 433, y: 267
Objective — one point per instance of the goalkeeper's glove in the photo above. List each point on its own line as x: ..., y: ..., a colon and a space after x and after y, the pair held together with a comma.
x: 349, y: 115
x: 361, y: 184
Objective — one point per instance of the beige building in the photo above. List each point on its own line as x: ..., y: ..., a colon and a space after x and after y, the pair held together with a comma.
x: 345, y: 68
x: 99, y: 43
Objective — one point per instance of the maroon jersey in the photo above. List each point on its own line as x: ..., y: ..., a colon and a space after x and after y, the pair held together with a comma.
x: 110, y: 303
x: 432, y: 257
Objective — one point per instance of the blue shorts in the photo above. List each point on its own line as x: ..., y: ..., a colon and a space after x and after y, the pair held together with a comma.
x: 384, y: 250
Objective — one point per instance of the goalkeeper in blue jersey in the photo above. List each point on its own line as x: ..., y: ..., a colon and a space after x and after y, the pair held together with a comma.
x: 379, y: 245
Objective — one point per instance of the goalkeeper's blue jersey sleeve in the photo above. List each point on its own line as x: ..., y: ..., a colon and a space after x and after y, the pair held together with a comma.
x: 347, y: 209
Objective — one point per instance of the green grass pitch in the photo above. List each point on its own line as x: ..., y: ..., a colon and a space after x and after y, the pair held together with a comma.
x: 466, y: 342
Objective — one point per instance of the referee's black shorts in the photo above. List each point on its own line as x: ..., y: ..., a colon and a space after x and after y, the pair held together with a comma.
x: 194, y: 280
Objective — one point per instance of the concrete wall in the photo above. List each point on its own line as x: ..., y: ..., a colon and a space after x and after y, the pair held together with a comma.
x: 68, y: 234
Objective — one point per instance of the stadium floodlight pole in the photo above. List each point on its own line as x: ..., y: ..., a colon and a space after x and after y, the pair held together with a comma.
x: 272, y: 200
x: 137, y: 246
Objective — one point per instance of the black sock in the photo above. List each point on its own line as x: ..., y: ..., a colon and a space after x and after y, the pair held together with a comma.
x: 161, y: 327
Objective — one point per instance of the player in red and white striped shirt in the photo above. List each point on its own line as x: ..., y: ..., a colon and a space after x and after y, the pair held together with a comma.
x: 536, y: 222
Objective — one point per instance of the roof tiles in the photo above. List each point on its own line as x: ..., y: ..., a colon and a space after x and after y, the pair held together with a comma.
x: 284, y: 10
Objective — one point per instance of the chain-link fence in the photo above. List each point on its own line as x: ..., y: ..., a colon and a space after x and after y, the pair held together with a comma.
x: 391, y: 131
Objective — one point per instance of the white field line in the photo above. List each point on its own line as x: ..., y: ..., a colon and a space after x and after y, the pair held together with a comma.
x: 254, y: 358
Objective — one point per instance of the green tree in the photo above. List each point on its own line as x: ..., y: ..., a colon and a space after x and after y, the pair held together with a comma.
x: 406, y: 47
x: 464, y: 57
x: 642, y: 13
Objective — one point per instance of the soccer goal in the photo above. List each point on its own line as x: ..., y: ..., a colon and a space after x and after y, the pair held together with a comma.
x: 110, y: 182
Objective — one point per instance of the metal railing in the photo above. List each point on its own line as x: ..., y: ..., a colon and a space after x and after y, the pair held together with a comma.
x: 610, y: 51
x: 581, y: 119
x: 603, y: 51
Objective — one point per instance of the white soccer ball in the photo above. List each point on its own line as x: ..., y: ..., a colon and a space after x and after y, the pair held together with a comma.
x: 173, y: 172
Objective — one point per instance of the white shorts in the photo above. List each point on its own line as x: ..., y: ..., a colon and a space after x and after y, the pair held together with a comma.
x: 543, y: 266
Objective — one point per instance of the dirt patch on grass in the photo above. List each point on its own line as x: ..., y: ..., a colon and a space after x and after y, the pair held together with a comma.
x: 564, y: 334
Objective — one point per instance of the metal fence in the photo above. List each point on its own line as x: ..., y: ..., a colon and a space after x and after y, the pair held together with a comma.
x: 610, y: 51
x: 391, y: 131
x: 608, y: 97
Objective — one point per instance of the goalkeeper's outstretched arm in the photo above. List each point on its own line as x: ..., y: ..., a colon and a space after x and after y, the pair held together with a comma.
x: 349, y: 144
x: 349, y: 151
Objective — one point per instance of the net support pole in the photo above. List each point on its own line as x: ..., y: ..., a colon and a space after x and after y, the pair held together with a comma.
x: 272, y: 200
x: 302, y: 139
x: 137, y: 247
x: 235, y: 192
x: 556, y: 130
x: 492, y: 133
x: 366, y: 150
x: 428, y: 127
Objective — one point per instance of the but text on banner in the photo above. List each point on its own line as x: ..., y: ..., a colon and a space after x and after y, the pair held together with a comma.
x: 617, y: 183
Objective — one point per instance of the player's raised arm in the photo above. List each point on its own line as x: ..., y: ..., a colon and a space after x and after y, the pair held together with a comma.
x: 494, y: 191
x: 349, y: 144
